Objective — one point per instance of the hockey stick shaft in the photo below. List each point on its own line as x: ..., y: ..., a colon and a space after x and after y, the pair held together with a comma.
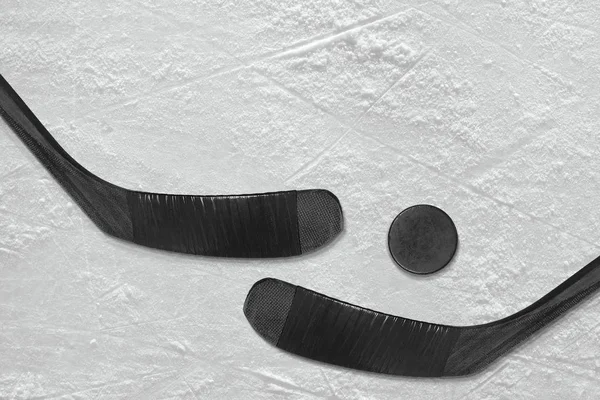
x: 499, y: 337
x: 102, y: 201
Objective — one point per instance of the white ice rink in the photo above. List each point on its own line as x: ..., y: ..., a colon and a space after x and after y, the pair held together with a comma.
x: 489, y: 109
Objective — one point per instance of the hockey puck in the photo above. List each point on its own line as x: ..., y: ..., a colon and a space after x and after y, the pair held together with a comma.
x: 422, y: 239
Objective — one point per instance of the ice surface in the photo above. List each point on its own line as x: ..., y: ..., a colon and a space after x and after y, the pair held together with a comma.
x: 487, y: 109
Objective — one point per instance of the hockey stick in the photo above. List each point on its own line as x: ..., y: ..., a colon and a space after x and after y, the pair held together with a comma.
x: 258, y: 225
x: 312, y: 325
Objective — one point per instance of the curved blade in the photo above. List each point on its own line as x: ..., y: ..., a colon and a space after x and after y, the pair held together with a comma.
x: 321, y: 328
x: 278, y: 224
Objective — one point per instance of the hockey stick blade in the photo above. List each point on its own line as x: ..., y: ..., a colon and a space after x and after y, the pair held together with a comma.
x: 321, y: 328
x: 266, y: 225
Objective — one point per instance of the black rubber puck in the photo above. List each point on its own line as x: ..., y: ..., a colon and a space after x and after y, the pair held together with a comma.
x: 423, y: 239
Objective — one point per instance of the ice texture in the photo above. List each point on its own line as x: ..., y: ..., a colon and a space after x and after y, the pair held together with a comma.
x: 487, y: 109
